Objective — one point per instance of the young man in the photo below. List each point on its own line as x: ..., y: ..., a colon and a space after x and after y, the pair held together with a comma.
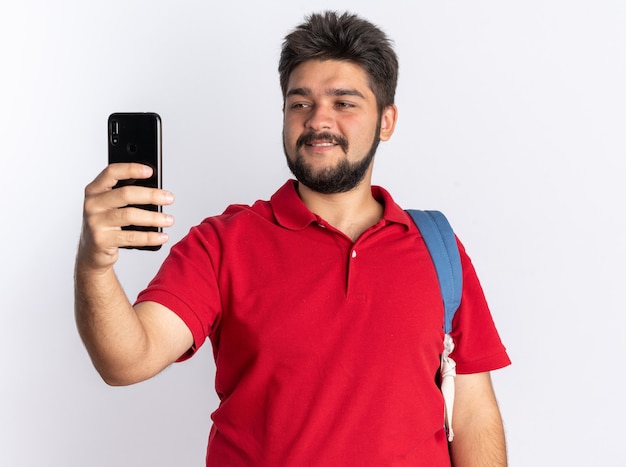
x: 326, y: 324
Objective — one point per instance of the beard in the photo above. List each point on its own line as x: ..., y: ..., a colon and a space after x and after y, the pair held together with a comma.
x: 342, y: 177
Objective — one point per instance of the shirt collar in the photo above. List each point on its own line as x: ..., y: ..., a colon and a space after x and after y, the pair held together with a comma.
x: 291, y: 213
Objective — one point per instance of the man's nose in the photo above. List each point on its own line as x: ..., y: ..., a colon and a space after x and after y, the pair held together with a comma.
x: 321, y: 118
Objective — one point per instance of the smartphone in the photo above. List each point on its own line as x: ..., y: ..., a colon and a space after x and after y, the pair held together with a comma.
x: 136, y: 137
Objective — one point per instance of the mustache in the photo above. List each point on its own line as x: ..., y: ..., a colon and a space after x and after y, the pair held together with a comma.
x: 312, y: 137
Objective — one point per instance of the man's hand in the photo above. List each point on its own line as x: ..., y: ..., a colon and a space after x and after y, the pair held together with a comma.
x: 126, y: 345
x: 106, y: 211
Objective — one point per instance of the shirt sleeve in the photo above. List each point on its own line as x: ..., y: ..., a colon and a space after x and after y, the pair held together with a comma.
x: 187, y: 284
x: 478, y: 347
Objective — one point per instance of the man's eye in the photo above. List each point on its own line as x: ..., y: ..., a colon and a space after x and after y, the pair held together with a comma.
x: 344, y: 105
x: 299, y: 105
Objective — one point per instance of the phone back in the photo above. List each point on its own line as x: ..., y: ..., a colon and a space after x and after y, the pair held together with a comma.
x: 136, y: 137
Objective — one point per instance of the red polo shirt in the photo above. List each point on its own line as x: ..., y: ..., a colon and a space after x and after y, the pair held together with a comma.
x: 326, y: 349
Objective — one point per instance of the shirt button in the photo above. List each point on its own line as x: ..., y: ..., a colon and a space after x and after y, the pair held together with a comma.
x: 354, y: 253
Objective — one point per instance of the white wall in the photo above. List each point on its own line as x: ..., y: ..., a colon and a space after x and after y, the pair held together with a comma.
x: 512, y: 120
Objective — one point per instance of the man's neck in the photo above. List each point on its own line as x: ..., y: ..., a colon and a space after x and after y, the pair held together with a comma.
x: 352, y: 212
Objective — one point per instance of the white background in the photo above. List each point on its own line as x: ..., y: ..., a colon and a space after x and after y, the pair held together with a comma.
x: 512, y: 121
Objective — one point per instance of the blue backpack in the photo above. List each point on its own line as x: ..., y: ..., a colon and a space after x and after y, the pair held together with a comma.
x: 441, y: 243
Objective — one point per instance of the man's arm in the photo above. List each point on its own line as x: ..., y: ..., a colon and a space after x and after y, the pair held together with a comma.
x: 126, y: 344
x: 478, y: 431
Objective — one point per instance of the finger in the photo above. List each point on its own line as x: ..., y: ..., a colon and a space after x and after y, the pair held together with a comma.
x: 133, y: 194
x: 126, y: 196
x: 103, y: 232
x: 117, y: 218
x: 113, y: 173
x: 138, y: 238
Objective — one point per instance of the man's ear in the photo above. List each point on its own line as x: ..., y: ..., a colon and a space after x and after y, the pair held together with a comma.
x: 388, y: 121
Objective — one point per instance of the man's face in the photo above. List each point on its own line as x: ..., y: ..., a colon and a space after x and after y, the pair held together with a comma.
x: 331, y: 125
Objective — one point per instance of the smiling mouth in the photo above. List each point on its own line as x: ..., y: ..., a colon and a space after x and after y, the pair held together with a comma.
x: 322, y: 140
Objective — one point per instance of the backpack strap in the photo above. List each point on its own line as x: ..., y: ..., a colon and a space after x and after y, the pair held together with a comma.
x: 441, y: 243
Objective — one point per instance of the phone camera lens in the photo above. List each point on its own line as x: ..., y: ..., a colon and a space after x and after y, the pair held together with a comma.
x: 115, y: 132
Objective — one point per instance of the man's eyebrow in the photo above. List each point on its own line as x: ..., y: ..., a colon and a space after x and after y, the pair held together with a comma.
x: 306, y: 92
x: 345, y: 92
x: 299, y: 92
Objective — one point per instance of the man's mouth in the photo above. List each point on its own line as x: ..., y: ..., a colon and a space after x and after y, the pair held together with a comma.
x: 323, y: 140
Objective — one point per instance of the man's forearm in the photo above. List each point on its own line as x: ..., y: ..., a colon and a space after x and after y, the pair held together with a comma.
x: 479, y: 445
x: 478, y: 431
x: 107, y: 324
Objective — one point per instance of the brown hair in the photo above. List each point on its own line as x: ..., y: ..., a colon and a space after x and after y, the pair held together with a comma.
x: 330, y: 36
